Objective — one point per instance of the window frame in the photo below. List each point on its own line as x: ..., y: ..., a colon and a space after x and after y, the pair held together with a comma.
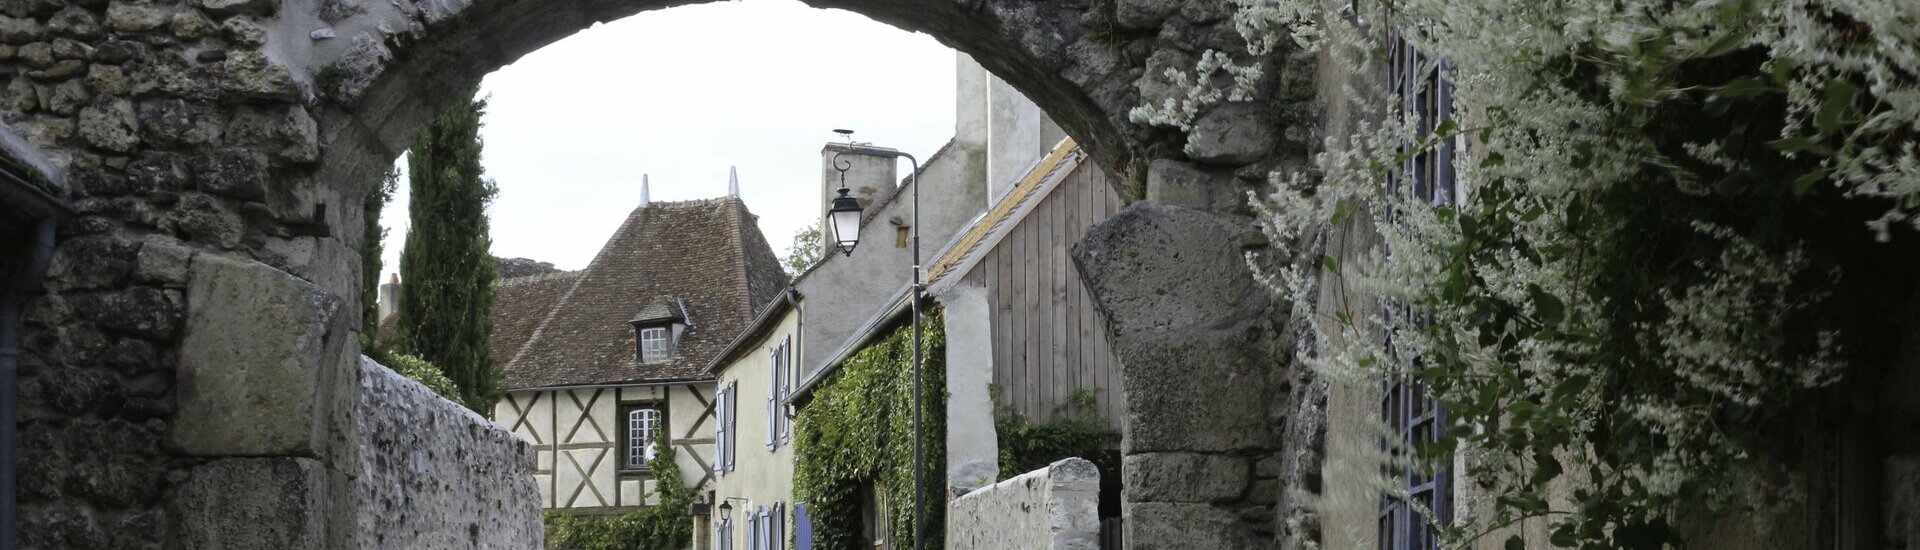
x: 626, y: 432
x: 640, y: 343
x: 1406, y: 406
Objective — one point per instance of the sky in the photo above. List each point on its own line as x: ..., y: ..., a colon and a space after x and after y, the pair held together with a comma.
x: 679, y: 96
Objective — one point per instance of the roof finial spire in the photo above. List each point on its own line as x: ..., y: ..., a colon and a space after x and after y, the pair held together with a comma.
x: 645, y: 193
x: 733, y: 181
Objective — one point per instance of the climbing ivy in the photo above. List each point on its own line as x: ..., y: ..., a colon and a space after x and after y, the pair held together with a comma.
x: 666, y: 524
x: 1077, y: 431
x: 858, y: 430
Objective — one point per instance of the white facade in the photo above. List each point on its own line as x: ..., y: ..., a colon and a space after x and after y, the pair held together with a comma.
x: 588, y: 456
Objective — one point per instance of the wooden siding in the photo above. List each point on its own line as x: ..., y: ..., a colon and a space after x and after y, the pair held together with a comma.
x: 1048, y: 341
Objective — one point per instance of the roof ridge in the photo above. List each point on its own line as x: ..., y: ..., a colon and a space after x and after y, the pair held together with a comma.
x: 538, y: 277
x: 739, y: 242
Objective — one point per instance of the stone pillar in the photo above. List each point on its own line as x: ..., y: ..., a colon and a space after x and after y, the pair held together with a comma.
x: 973, y: 449
x: 1196, y: 363
x: 390, y: 296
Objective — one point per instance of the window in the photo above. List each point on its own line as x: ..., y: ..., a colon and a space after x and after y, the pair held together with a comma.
x: 655, y: 345
x: 724, y: 434
x: 1415, y: 418
x: 643, y: 425
x: 780, y: 382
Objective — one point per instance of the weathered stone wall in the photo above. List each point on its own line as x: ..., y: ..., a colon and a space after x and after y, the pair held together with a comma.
x: 435, y: 475
x: 1052, y: 508
x: 1199, y: 363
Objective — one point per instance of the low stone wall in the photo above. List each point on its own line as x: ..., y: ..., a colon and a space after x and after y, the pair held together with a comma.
x: 436, y: 475
x: 1056, y: 507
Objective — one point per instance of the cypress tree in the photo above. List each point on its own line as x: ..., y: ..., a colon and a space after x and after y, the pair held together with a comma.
x: 370, y: 260
x: 446, y: 263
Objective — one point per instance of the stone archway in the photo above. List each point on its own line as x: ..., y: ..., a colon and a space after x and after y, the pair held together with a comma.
x: 216, y: 151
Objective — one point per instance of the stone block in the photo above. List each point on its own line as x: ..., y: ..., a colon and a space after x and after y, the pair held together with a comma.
x: 1180, y: 183
x: 234, y: 503
x: 1185, y: 477
x: 161, y: 260
x: 1233, y: 133
x: 109, y: 123
x: 286, y: 130
x: 255, y: 362
x: 1186, y: 526
x: 125, y: 16
x: 1143, y: 14
x: 1139, y: 266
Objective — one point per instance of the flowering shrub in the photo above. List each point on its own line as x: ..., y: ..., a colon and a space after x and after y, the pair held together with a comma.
x: 1665, y: 202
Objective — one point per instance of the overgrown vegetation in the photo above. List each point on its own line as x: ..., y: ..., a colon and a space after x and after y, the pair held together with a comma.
x: 858, y: 431
x: 1078, y: 430
x: 449, y: 272
x: 423, y: 372
x: 1684, y: 223
x: 665, y: 525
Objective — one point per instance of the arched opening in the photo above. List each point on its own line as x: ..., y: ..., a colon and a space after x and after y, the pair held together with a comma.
x: 212, y: 152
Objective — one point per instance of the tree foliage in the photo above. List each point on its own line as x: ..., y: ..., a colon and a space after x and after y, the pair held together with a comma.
x: 805, y: 250
x: 665, y: 525
x: 372, y: 248
x: 858, y: 431
x: 446, y: 263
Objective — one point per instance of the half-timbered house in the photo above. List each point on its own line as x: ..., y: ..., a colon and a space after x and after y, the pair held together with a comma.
x: 601, y: 362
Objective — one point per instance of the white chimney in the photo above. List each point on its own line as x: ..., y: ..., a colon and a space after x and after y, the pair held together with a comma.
x: 645, y: 193
x: 733, y: 181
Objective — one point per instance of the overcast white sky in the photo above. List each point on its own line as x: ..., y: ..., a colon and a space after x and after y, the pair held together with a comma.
x: 681, y: 95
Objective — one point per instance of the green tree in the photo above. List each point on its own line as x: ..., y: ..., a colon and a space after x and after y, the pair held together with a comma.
x: 667, y: 524
x: 370, y: 253
x: 446, y: 262
x: 805, y: 250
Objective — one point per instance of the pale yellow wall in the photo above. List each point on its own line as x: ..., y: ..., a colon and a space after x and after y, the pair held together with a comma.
x: 575, y: 433
x: 762, y: 477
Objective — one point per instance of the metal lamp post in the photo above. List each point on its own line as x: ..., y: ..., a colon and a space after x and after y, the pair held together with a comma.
x: 845, y: 216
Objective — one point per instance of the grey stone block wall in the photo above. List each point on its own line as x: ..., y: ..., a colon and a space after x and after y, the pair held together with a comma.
x: 1052, y: 508
x: 435, y: 475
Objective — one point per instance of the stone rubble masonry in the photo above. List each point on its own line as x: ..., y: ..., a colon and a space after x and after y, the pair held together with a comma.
x: 1052, y: 508
x: 435, y: 475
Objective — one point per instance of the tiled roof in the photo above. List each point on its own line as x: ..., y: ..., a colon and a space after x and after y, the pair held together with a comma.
x: 709, y: 255
x: 519, y: 306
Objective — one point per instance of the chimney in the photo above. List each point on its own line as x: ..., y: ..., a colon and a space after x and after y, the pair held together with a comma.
x: 733, y: 181
x: 868, y: 179
x: 390, y: 296
x: 645, y: 193
x: 994, y: 120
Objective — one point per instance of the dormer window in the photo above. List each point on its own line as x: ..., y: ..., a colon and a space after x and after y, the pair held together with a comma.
x: 657, y: 328
x: 656, y: 344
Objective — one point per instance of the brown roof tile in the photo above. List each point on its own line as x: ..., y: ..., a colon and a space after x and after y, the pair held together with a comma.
x: 519, y: 307
x: 707, y: 254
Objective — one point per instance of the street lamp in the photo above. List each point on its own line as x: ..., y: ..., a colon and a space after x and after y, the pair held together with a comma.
x: 848, y: 234
x: 844, y: 217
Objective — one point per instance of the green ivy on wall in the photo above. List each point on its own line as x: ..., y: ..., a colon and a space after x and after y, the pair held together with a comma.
x: 1078, y: 430
x: 858, y: 430
x: 665, y: 525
